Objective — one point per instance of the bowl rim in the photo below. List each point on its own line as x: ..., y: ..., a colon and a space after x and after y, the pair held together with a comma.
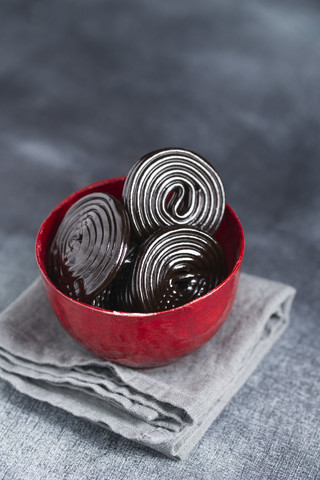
x: 85, y: 190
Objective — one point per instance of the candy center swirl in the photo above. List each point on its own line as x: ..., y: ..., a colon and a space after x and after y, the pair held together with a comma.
x: 173, y: 187
x: 89, y: 246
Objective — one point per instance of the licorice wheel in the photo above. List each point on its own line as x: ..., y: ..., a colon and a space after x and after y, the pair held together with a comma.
x: 173, y: 187
x: 174, y: 266
x: 89, y: 246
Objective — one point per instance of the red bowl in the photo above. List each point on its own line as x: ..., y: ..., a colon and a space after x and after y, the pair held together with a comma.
x: 143, y: 340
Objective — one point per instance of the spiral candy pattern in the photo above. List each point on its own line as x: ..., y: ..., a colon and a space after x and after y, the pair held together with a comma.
x: 89, y: 246
x: 173, y: 187
x: 175, y: 266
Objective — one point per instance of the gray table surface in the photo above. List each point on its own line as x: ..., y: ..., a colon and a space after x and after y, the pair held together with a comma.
x: 89, y: 87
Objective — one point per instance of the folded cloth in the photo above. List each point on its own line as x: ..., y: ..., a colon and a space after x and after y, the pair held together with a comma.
x: 166, y: 408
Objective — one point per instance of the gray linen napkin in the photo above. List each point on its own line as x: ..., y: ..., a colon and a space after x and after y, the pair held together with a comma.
x: 167, y: 408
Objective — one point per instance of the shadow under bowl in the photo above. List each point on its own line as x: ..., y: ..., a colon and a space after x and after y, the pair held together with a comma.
x: 143, y: 340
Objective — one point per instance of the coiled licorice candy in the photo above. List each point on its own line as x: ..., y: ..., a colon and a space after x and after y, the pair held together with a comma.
x: 89, y: 246
x: 174, y: 266
x: 173, y: 187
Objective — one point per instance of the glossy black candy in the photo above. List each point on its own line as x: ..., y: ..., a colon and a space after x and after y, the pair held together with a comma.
x: 102, y: 300
x: 173, y: 187
x: 118, y: 296
x: 173, y: 267
x: 89, y: 247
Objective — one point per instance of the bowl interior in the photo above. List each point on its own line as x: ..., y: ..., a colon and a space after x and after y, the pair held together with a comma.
x: 230, y: 233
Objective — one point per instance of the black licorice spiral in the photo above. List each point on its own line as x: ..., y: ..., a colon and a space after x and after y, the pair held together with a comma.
x: 90, y: 246
x: 173, y: 187
x: 175, y: 266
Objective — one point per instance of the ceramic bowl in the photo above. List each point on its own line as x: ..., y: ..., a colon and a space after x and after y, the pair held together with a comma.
x: 150, y: 339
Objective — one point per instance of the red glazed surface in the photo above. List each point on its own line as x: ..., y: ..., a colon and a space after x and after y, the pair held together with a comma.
x: 150, y: 339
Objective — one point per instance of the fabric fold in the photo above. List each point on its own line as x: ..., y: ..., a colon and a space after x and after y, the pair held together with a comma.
x: 166, y: 408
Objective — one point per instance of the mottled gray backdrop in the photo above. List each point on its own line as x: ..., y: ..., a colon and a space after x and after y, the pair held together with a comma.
x: 86, y: 88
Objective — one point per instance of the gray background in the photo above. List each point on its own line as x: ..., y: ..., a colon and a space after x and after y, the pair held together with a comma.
x: 86, y: 88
